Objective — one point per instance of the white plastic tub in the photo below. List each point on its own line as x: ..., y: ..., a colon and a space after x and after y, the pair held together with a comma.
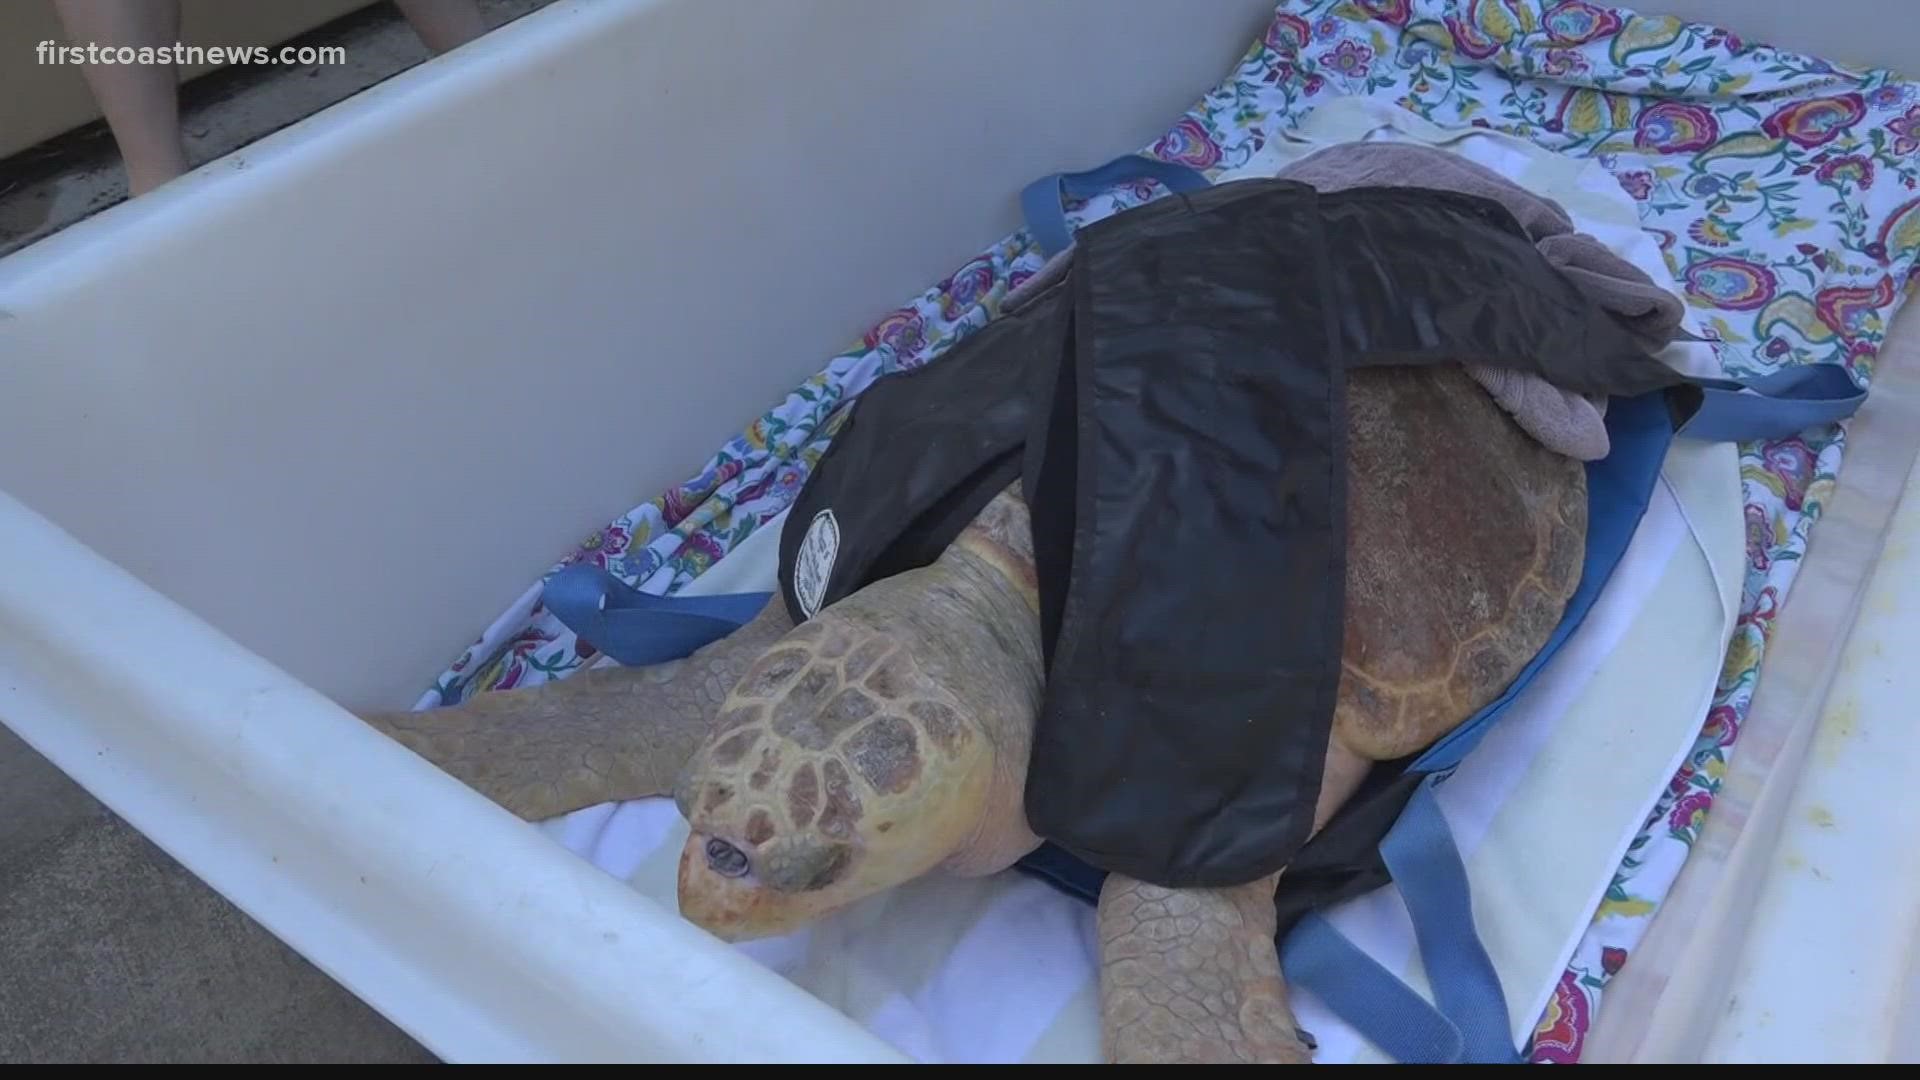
x: 255, y: 427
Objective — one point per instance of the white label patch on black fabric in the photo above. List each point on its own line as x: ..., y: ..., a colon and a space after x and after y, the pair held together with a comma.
x: 813, y: 563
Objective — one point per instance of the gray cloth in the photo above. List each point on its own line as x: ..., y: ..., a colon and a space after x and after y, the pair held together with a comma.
x: 1560, y: 420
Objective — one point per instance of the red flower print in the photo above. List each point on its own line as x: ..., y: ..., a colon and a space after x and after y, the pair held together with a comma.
x: 1557, y: 1040
x: 1287, y: 34
x: 1759, y: 538
x: 1817, y: 121
x: 1723, y: 725
x: 607, y: 544
x: 703, y: 545
x: 965, y: 288
x: 1792, y: 462
x: 1469, y: 40
x: 1675, y: 127
x: 1906, y: 131
x: 1681, y: 781
x: 1576, y: 22
x: 903, y: 331
x: 1846, y: 310
x: 1731, y: 283
x: 1765, y: 607
x: 1391, y: 12
x: 1612, y: 960
x: 1638, y: 184
x: 1189, y: 144
x: 1349, y: 58
x: 1860, y: 352
x: 1689, y: 812
x: 1848, y: 167
x: 513, y: 669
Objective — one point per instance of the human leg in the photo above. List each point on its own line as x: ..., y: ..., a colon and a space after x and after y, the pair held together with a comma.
x: 140, y: 101
x: 444, y: 24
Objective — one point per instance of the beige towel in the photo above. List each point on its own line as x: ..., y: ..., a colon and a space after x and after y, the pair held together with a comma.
x: 1563, y: 422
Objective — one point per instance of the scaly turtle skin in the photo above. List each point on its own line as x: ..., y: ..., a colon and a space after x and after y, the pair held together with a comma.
x: 887, y: 738
x: 605, y: 735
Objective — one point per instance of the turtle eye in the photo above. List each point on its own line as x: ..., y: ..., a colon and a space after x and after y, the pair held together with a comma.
x: 725, y: 859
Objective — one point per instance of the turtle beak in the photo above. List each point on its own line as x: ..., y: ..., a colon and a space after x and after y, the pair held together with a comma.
x: 722, y: 906
x: 719, y: 891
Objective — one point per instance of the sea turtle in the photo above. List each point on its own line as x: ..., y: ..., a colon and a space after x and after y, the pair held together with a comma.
x: 887, y: 737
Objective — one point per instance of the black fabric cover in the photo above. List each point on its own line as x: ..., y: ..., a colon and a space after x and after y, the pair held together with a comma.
x: 921, y: 452
x: 1175, y: 411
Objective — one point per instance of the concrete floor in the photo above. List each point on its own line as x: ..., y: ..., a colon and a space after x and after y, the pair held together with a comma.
x: 112, y: 952
x: 109, y: 950
x: 79, y: 174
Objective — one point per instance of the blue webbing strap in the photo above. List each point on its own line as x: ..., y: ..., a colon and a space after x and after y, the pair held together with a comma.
x: 1040, y: 202
x: 1353, y: 984
x: 637, y: 628
x: 1773, y: 406
x: 1471, y: 1022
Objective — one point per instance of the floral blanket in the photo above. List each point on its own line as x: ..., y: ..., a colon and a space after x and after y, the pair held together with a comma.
x: 1781, y: 187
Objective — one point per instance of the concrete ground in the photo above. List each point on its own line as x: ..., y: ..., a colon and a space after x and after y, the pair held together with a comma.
x: 109, y: 950
x: 112, y: 952
x: 77, y: 175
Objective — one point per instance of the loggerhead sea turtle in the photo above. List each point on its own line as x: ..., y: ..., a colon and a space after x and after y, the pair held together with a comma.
x: 887, y: 737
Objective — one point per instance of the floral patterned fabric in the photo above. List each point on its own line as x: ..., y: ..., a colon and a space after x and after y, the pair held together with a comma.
x: 1781, y: 188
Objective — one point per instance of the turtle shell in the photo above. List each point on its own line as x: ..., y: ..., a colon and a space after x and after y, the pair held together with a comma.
x: 1465, y: 540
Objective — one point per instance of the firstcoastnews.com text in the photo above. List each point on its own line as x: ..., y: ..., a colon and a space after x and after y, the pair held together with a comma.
x: 52, y: 52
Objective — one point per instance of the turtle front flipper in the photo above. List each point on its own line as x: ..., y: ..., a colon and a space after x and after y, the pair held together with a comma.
x: 600, y: 736
x: 1191, y: 976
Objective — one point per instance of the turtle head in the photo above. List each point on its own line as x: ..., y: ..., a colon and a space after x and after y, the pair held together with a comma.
x: 836, y: 771
x: 816, y: 838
